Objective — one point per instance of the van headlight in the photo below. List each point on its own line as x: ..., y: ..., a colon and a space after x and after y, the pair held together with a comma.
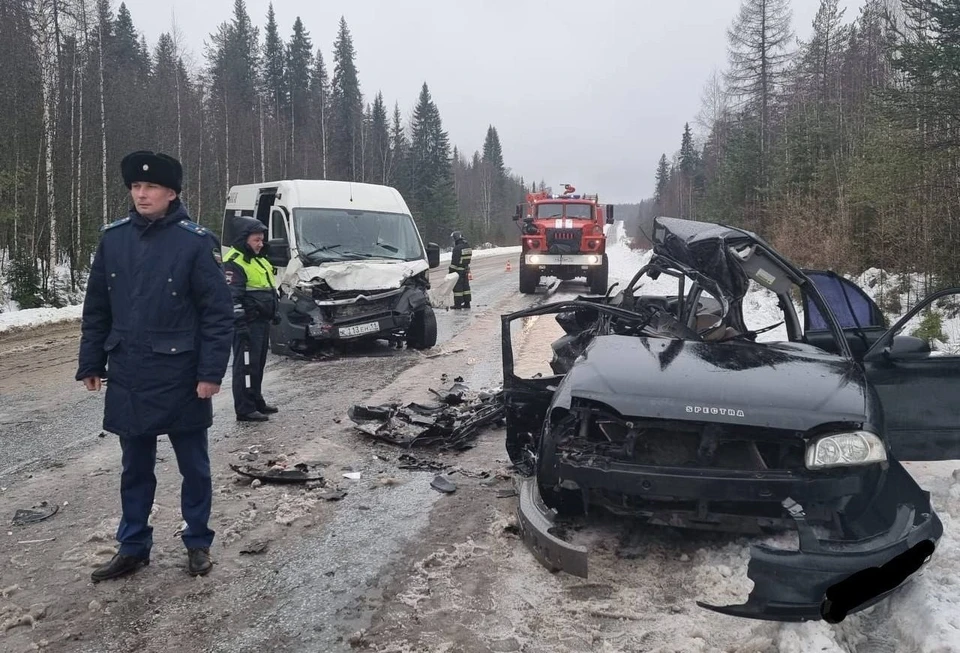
x: 845, y: 450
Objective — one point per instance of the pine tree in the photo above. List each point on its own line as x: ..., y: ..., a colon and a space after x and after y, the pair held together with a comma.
x: 346, y: 111
x: 399, y: 147
x: 431, y: 176
x: 662, y: 179
x: 320, y: 101
x: 379, y: 142
x: 297, y: 81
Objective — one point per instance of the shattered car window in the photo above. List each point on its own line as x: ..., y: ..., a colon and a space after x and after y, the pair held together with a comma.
x: 349, y: 235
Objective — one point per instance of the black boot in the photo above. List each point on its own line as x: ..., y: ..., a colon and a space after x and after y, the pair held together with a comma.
x: 267, y: 409
x: 255, y: 416
x: 199, y: 562
x: 120, y: 565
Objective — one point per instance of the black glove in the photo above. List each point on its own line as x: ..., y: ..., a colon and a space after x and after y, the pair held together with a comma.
x: 276, y: 319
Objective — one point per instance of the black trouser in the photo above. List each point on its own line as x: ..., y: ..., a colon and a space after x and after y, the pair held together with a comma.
x: 247, y: 401
x: 461, y: 291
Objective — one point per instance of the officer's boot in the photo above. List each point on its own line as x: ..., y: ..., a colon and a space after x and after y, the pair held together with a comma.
x: 119, y: 565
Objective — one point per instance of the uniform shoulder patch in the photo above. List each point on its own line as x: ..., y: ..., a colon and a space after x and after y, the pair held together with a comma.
x: 115, y: 223
x: 194, y: 227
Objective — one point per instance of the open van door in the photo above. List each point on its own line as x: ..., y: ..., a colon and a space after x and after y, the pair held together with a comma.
x: 917, y: 376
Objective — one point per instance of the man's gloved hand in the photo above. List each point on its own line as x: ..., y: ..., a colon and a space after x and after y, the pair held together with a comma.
x: 276, y: 319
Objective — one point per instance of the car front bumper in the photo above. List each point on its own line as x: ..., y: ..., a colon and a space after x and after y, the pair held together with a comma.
x: 822, y: 579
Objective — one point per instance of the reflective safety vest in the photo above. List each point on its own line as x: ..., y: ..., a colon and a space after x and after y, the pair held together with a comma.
x: 259, y: 272
x: 460, y: 260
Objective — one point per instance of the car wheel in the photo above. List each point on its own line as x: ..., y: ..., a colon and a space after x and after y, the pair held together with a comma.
x: 423, y: 329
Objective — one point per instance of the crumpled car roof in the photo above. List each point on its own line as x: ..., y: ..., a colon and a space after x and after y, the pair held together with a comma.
x: 702, y: 246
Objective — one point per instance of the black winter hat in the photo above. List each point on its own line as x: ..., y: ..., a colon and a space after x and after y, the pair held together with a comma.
x: 245, y: 226
x: 144, y: 165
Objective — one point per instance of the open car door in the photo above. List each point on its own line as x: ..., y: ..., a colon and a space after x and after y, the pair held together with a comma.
x: 862, y: 321
x: 917, y: 377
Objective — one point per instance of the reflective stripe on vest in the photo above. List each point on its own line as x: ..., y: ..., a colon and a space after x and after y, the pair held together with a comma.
x: 259, y: 274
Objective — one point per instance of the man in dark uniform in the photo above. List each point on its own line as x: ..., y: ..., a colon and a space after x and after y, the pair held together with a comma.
x: 157, y: 323
x: 255, y: 305
x: 460, y: 263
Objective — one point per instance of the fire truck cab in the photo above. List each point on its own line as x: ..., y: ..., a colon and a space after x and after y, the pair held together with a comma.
x: 563, y: 236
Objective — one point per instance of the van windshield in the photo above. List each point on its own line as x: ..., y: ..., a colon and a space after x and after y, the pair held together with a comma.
x: 327, y: 235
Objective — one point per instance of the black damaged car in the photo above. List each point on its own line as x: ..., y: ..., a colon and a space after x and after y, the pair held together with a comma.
x: 668, y: 408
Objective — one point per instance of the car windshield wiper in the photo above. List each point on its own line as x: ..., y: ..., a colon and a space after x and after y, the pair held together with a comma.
x: 389, y: 248
x: 322, y: 248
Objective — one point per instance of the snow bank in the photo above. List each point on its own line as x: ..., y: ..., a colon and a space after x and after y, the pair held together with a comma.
x: 34, y: 317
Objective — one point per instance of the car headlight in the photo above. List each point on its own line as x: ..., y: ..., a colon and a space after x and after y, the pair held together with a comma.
x: 533, y: 259
x: 845, y: 449
x: 593, y: 260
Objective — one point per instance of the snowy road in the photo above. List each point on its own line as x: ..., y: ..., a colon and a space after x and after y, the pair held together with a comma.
x: 394, y: 566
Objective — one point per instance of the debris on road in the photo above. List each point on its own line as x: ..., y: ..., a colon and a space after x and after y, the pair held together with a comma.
x: 452, y: 425
x: 443, y: 484
x: 353, y: 476
x: 43, y: 541
x: 412, y: 463
x: 259, y: 546
x: 278, y: 471
x: 333, y: 495
x: 35, y: 514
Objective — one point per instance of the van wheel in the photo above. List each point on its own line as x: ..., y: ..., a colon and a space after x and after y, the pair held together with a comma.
x: 423, y: 329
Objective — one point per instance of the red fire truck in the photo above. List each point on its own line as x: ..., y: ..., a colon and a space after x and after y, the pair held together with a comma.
x: 563, y: 236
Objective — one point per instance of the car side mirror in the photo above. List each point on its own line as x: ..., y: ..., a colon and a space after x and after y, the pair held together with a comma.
x: 518, y: 212
x: 433, y: 255
x: 609, y: 213
x: 278, y: 252
x: 905, y: 345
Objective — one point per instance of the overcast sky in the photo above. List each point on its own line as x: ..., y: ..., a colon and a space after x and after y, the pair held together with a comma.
x: 588, y: 92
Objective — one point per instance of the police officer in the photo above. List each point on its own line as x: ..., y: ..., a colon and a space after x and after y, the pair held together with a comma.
x: 460, y: 263
x: 157, y: 323
x: 255, y: 305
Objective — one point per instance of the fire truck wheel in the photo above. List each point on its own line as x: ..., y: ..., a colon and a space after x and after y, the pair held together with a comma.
x: 599, y: 279
x: 529, y: 279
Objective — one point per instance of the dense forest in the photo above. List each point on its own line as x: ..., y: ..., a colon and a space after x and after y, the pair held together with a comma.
x: 80, y: 87
x: 842, y: 149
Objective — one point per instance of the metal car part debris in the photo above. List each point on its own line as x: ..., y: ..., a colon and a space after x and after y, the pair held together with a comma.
x: 35, y: 514
x: 300, y: 473
x: 451, y: 425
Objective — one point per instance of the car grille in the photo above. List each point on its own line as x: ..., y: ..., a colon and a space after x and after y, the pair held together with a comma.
x: 669, y: 443
x: 563, y: 241
x: 361, y: 308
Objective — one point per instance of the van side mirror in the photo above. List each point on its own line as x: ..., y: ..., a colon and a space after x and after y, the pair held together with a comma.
x: 609, y: 213
x: 518, y: 213
x: 278, y: 252
x: 433, y: 255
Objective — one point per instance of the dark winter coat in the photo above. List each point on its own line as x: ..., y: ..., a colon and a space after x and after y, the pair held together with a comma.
x: 157, y: 319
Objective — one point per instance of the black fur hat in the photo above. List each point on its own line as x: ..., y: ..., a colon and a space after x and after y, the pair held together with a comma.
x: 144, y: 165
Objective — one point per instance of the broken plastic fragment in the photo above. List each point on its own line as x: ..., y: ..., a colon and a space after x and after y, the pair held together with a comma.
x: 35, y: 514
x: 443, y: 484
x: 301, y: 473
x: 353, y: 476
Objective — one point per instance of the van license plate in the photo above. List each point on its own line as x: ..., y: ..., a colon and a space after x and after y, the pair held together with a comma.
x: 359, y: 329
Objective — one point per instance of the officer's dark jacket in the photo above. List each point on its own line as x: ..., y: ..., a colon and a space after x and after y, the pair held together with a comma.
x: 158, y: 309
x: 461, y: 255
x: 249, y: 303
